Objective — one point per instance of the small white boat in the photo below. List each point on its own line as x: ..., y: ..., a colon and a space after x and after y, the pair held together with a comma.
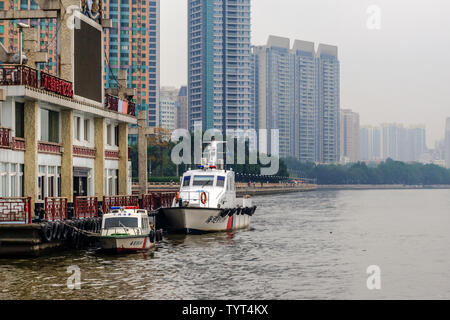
x: 127, y: 229
x: 207, y: 200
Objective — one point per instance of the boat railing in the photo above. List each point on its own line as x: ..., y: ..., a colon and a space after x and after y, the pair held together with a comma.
x: 195, y: 200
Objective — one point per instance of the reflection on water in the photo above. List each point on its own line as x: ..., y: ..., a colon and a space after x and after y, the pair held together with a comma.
x: 301, y: 246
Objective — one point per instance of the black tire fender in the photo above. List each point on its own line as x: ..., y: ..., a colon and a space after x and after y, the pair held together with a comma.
x: 47, y: 231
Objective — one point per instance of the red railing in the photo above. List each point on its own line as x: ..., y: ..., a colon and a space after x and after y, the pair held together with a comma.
x: 14, y: 75
x: 112, y: 103
x: 15, y: 210
x: 18, y: 144
x: 131, y: 109
x: 85, y: 207
x: 83, y: 152
x: 5, y: 137
x: 48, y: 147
x: 119, y: 201
x: 112, y: 154
x: 55, y: 209
x: 156, y: 200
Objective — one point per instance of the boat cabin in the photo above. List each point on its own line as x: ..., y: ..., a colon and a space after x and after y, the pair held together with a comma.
x: 126, y: 221
x: 208, y: 187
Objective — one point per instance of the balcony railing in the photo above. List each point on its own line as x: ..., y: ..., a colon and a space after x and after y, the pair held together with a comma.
x: 122, y: 106
x: 15, y: 75
x: 5, y: 138
x: 22, y: 75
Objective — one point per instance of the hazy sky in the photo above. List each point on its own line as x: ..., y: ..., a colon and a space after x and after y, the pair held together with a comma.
x: 399, y: 73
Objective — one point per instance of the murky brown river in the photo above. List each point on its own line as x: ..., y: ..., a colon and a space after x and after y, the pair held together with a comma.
x: 301, y: 246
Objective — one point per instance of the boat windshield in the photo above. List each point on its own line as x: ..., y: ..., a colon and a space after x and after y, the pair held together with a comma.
x: 121, y: 222
x: 220, y: 181
x: 203, y: 181
x: 186, y: 181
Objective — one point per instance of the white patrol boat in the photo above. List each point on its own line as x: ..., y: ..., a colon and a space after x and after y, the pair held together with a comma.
x: 127, y: 229
x: 207, y: 200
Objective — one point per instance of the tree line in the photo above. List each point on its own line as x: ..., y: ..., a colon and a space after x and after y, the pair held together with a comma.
x: 387, y: 172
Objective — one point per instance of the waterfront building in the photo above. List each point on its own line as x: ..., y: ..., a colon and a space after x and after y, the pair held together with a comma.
x: 370, y: 143
x: 219, y: 71
x: 62, y: 136
x: 447, y: 143
x: 306, y: 102
x: 168, y: 114
x: 182, y: 108
x: 276, y: 92
x: 393, y: 141
x: 350, y: 140
x: 296, y: 90
x: 329, y: 103
x: 133, y: 44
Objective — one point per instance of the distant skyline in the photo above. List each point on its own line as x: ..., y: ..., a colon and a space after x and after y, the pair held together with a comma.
x: 409, y: 53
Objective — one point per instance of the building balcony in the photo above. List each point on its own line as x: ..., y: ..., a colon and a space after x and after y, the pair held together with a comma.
x: 122, y: 106
x: 43, y: 86
x: 7, y: 141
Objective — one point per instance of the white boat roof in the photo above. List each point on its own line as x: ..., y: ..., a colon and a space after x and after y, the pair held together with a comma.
x: 126, y: 212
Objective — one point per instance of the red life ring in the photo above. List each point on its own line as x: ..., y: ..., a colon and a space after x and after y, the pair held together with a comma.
x: 203, y: 197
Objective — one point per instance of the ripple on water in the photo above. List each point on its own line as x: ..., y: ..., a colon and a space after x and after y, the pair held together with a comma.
x: 301, y: 246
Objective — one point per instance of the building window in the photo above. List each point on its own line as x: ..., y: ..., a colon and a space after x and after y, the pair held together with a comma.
x: 4, y: 179
x: 111, y: 182
x: 49, y: 182
x: 116, y: 135
x: 87, y: 128
x: 108, y: 135
x: 77, y: 128
x: 19, y: 115
x: 49, y: 126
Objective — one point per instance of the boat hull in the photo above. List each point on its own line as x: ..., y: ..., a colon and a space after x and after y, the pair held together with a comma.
x: 202, y: 220
x: 125, y: 244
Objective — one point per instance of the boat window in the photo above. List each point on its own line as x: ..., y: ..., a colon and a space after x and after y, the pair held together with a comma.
x: 220, y: 181
x: 203, y: 181
x: 118, y: 222
x: 186, y: 181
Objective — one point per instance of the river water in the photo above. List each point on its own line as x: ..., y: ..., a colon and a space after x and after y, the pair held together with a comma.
x: 315, y: 245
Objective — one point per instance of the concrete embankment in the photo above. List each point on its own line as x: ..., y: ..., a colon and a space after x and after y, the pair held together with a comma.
x: 243, y: 189
x: 379, y: 187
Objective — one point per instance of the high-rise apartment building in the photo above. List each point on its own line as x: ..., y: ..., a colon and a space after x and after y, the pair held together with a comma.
x: 168, y: 114
x: 447, y: 143
x: 296, y: 90
x: 219, y: 64
x: 306, y: 102
x: 182, y: 109
x: 370, y: 143
x: 329, y: 103
x: 9, y: 32
x: 394, y: 141
x: 276, y: 92
x: 133, y: 43
x: 349, y: 139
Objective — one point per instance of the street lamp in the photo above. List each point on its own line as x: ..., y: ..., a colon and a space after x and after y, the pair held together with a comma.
x: 21, y: 27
